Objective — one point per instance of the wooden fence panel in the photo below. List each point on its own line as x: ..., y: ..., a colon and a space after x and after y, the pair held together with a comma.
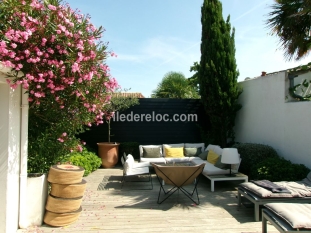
x: 154, y: 131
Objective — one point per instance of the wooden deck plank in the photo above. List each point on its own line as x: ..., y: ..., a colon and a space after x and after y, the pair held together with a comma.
x: 112, y: 209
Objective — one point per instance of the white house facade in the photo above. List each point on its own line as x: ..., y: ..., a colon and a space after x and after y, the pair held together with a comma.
x: 13, y: 152
x: 270, y: 116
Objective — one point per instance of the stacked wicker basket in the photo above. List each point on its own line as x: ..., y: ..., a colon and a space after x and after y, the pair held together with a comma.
x: 63, y: 205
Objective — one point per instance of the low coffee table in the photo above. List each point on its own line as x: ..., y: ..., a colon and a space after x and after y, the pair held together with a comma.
x: 171, y: 164
x: 238, y: 176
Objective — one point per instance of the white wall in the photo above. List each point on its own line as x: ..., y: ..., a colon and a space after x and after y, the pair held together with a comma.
x: 10, y: 101
x: 268, y: 117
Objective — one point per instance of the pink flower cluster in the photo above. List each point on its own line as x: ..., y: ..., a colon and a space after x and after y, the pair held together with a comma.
x: 60, y: 55
x: 62, y: 138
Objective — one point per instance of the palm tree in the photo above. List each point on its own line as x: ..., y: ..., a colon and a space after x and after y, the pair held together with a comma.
x: 290, y: 20
x: 175, y: 85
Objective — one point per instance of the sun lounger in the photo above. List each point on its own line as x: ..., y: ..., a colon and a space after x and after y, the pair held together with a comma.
x: 300, y: 193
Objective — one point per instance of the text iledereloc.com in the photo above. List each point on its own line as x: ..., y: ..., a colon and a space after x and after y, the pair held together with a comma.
x: 152, y: 117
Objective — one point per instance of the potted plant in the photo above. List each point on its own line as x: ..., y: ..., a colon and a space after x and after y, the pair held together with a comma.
x: 108, y: 151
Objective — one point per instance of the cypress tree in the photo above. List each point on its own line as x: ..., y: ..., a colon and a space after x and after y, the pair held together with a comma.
x: 217, y: 73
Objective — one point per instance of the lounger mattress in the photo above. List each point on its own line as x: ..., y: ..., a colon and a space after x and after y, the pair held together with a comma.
x: 297, y: 215
x: 297, y: 189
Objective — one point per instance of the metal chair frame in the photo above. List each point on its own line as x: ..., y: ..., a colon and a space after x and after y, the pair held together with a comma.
x: 176, y: 187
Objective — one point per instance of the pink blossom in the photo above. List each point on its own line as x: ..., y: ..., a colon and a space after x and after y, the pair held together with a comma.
x: 79, y: 148
x: 12, y: 54
x: 79, y: 74
x: 51, y: 51
x: 60, y: 139
x: 13, y: 86
x: 51, y: 7
x: 53, y: 38
x: 7, y: 63
x: 38, y: 95
x: 27, y: 52
x: 75, y: 67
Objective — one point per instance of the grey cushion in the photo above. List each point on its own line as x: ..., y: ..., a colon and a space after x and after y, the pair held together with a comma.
x: 192, y: 151
x: 151, y: 152
x: 219, y: 164
x: 203, y: 155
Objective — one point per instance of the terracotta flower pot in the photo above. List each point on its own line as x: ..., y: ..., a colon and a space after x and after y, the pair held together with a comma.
x: 108, y: 152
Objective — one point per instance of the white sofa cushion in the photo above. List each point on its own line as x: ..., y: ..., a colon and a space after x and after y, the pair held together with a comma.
x: 215, y: 148
x: 129, y: 163
x: 210, y: 169
x: 130, y: 159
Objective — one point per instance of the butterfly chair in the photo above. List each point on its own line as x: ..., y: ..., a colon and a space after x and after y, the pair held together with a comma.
x: 178, y: 177
x: 132, y: 169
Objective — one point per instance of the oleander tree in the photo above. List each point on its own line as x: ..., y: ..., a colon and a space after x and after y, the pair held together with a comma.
x: 290, y: 20
x: 56, y: 55
x: 217, y: 73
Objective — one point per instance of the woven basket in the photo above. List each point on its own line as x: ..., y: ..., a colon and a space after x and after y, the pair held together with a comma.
x: 68, y: 190
x: 59, y: 220
x: 65, y: 174
x: 62, y: 205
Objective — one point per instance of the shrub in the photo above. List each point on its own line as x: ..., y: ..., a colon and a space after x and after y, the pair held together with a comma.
x: 129, y: 148
x: 279, y: 169
x: 88, y: 160
x: 251, y: 154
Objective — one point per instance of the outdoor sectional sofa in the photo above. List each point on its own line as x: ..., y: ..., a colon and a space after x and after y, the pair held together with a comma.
x: 195, y: 153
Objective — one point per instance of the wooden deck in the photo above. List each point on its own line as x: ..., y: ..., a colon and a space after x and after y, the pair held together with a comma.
x: 108, y: 208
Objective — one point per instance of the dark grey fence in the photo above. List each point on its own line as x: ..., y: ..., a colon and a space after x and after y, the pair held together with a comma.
x: 153, y: 121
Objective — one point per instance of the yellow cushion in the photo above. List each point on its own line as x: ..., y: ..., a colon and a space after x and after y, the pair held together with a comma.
x: 212, y: 157
x: 172, y: 152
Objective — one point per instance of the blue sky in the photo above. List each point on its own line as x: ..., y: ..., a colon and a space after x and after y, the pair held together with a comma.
x: 153, y: 37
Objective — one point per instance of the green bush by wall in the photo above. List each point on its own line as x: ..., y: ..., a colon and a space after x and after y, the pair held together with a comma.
x: 279, y: 169
x: 253, y: 153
